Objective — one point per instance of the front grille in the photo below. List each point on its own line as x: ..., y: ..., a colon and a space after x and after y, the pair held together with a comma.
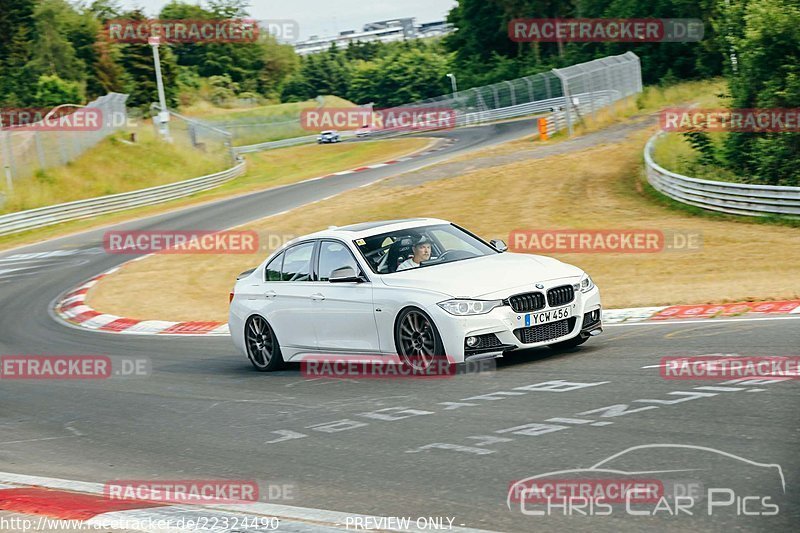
x: 530, y: 301
x: 560, y: 295
x: 545, y: 332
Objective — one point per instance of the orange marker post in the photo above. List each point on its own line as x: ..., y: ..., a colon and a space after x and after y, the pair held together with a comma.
x: 543, y: 129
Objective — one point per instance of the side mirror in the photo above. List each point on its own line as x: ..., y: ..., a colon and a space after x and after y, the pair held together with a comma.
x: 345, y: 274
x: 499, y: 245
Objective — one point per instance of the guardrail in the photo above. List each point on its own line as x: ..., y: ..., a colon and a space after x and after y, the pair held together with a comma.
x: 54, y: 214
x: 581, y: 102
x: 586, y: 101
x: 283, y: 143
x: 581, y: 88
x: 733, y: 198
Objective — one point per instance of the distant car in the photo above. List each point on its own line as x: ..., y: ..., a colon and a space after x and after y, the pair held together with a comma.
x: 364, y: 131
x: 357, y: 290
x: 331, y: 136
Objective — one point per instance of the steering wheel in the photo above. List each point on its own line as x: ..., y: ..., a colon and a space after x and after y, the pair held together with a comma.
x: 451, y: 255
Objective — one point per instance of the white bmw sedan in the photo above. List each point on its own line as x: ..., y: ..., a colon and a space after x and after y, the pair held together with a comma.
x: 415, y: 288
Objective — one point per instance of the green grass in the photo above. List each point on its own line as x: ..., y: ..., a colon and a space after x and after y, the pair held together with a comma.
x: 673, y: 152
x: 662, y: 200
x: 703, y: 93
x: 266, y: 169
x: 264, y: 123
x: 220, y: 114
x: 115, y: 165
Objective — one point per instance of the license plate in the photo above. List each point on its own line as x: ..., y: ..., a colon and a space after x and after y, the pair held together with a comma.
x: 543, y: 317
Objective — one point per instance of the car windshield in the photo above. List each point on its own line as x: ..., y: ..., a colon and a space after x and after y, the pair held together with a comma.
x: 420, y: 247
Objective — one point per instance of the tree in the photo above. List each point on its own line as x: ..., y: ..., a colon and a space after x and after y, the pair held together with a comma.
x: 327, y: 72
x: 767, y: 75
x: 52, y: 91
x: 408, y: 76
x: 16, y: 38
x: 53, y: 53
x: 222, y: 89
x: 140, y: 78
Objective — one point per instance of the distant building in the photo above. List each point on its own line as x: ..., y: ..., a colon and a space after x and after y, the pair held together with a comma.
x: 385, y: 31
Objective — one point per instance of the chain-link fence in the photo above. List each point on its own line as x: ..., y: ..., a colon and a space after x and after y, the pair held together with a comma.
x: 589, y: 86
x: 25, y: 150
x: 248, y: 129
x: 573, y: 90
x: 599, y: 83
x: 211, y: 140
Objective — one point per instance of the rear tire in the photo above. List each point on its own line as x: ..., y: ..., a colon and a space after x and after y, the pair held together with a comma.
x: 261, y: 344
x: 569, y: 343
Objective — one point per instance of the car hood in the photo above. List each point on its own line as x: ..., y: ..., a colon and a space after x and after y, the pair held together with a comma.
x: 489, y: 277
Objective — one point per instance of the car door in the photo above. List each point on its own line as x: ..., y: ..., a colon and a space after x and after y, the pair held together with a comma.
x: 343, y: 312
x: 287, y: 295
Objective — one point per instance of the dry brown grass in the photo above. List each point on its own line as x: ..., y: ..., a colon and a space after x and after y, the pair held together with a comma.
x: 595, y: 188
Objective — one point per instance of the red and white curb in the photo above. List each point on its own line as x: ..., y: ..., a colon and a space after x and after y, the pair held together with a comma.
x: 442, y: 146
x: 85, y: 504
x: 73, y: 309
x: 700, y: 311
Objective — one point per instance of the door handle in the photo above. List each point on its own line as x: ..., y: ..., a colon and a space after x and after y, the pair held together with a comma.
x: 317, y: 296
x: 270, y: 294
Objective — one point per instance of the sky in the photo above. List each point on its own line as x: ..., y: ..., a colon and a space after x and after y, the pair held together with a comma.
x: 328, y: 17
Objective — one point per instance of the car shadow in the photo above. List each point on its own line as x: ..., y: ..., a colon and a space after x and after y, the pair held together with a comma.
x: 529, y: 356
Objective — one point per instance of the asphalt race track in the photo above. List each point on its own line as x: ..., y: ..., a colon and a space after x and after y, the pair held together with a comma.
x: 442, y: 447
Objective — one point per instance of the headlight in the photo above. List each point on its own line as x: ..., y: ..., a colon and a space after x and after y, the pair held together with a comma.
x: 469, y: 307
x: 586, y: 284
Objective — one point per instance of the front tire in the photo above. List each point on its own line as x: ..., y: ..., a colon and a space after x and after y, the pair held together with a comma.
x: 262, y: 346
x: 416, y: 339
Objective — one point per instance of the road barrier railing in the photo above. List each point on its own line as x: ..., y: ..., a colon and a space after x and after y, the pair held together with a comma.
x: 726, y: 197
x: 55, y: 214
x: 564, y: 96
x: 577, y: 90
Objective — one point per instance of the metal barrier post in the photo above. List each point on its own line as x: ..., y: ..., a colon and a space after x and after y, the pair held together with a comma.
x: 567, y: 100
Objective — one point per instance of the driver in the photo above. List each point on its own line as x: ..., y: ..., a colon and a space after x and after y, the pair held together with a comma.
x: 422, y: 252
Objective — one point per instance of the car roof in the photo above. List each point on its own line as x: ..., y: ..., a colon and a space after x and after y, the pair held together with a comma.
x: 368, y: 229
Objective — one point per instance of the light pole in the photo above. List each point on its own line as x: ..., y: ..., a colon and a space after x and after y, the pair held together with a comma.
x: 453, y: 83
x: 163, y: 116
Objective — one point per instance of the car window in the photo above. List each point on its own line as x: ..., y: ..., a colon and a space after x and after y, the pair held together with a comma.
x: 452, y: 242
x: 297, y: 262
x: 385, y: 252
x: 273, y: 270
x: 333, y: 255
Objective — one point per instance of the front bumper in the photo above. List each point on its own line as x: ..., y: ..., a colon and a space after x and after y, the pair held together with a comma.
x: 503, y: 330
